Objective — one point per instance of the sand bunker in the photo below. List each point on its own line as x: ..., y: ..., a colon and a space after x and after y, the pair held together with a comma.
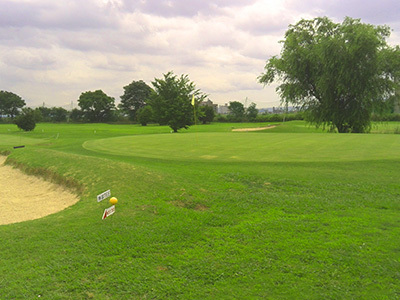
x: 25, y: 197
x: 254, y: 129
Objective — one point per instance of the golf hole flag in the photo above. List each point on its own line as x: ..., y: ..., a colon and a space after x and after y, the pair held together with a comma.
x: 193, y: 100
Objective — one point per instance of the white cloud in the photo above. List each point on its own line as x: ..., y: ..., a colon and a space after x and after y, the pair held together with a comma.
x: 53, y: 50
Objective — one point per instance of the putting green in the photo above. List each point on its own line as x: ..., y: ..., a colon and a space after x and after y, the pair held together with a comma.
x: 13, y: 140
x: 254, y: 147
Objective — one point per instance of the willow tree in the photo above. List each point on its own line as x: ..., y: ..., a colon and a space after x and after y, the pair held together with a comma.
x: 339, y: 73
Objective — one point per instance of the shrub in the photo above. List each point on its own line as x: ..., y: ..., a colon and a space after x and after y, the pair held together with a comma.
x: 26, y: 120
x: 144, y: 115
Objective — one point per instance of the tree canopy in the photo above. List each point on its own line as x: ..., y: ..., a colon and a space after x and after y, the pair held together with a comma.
x: 338, y: 73
x: 135, y: 97
x: 171, y: 101
x: 251, y: 112
x: 206, y: 114
x: 96, y: 106
x: 236, y: 111
x: 26, y: 120
x: 10, y: 104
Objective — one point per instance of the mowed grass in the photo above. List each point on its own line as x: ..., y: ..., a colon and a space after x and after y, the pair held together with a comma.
x: 231, y: 147
x: 285, y: 213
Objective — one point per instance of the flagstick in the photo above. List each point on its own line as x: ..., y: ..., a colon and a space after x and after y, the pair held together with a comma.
x: 194, y: 113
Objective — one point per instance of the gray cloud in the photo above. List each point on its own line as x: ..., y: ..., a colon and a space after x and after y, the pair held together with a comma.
x: 71, y: 15
x: 28, y: 60
x: 57, y: 49
x: 370, y: 11
x: 183, y: 8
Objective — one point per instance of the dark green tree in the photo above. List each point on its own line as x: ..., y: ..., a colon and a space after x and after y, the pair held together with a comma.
x: 145, y: 115
x: 136, y: 95
x: 236, y: 111
x: 10, y: 104
x: 58, y: 114
x: 76, y: 115
x: 338, y: 73
x: 45, y: 113
x: 171, y: 101
x: 251, y: 112
x: 26, y: 120
x: 206, y: 114
x: 96, y: 106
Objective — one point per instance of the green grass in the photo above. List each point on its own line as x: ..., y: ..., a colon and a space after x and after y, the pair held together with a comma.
x: 231, y: 147
x: 285, y: 213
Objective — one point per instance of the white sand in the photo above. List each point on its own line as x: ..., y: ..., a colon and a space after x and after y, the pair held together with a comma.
x: 254, y: 129
x: 24, y: 197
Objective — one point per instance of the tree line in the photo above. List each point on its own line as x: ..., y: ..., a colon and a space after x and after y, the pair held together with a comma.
x: 172, y: 100
x: 341, y: 75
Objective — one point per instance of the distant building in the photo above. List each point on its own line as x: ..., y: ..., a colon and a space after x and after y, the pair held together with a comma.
x: 277, y: 110
x: 223, y: 109
x: 209, y: 103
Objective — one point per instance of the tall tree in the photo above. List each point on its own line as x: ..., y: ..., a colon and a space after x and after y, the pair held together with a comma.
x: 338, y: 73
x: 206, y: 114
x: 251, y: 112
x: 136, y: 95
x: 236, y: 111
x: 96, y: 106
x: 10, y: 104
x: 171, y: 101
x: 59, y: 114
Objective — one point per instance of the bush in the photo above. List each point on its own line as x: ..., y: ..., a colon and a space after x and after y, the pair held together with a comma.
x: 145, y: 115
x: 385, y: 117
x: 280, y: 117
x: 26, y: 120
x: 221, y: 118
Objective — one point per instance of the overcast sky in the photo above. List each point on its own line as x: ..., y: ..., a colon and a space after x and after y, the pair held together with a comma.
x: 52, y: 51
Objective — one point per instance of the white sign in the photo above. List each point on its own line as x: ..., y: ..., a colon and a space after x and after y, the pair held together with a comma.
x: 108, y: 212
x: 103, y: 196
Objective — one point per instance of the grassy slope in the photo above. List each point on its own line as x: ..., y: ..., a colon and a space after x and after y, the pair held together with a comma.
x: 196, y: 228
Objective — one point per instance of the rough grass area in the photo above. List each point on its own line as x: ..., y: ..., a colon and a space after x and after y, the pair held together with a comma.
x: 299, y: 214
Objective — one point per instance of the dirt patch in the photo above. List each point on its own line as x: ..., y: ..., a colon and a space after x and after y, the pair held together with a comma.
x: 28, y: 197
x: 254, y: 129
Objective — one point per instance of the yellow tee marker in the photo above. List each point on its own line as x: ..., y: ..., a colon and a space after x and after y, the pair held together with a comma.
x: 113, y: 200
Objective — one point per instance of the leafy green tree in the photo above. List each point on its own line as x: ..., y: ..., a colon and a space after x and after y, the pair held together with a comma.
x: 252, y: 112
x: 10, y: 104
x: 338, y: 73
x: 171, y: 101
x: 96, y: 106
x: 58, y: 114
x: 54, y: 114
x: 26, y: 120
x: 206, y: 114
x: 136, y: 95
x: 236, y: 111
x: 145, y: 115
x: 44, y: 113
x: 76, y: 115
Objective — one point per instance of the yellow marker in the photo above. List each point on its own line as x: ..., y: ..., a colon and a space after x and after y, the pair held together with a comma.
x: 113, y: 200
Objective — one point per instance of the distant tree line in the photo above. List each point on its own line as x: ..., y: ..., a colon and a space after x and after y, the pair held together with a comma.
x: 341, y: 75
x: 172, y: 100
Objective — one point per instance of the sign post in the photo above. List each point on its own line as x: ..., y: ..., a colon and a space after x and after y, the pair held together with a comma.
x: 108, y: 212
x: 103, y: 196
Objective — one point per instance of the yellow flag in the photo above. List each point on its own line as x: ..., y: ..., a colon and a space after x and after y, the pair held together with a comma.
x: 193, y: 100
